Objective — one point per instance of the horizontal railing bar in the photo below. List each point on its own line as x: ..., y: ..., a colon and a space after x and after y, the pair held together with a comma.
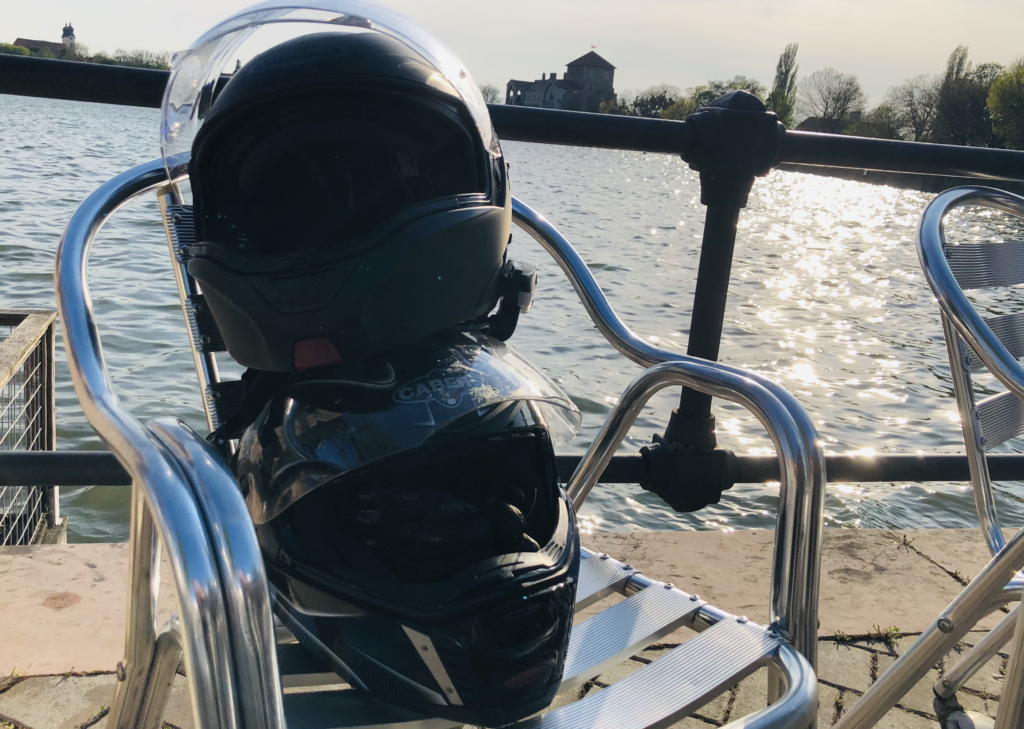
x: 853, y: 469
x: 73, y: 81
x: 583, y: 129
x: 61, y: 468
x: 27, y: 76
x: 99, y: 468
x: 891, y: 155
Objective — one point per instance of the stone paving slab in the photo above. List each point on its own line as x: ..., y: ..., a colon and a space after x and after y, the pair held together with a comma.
x: 64, y: 607
x: 78, y: 702
x: 58, y: 702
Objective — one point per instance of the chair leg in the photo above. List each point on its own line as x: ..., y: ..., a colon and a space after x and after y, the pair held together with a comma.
x: 1011, y: 702
x: 166, y: 659
x: 955, y: 678
x: 140, y: 638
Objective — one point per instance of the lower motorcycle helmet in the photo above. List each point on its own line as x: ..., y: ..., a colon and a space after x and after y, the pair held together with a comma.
x: 348, y: 192
x: 414, y: 528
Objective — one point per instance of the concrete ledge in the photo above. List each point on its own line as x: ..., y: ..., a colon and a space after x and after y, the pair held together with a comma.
x: 63, y: 607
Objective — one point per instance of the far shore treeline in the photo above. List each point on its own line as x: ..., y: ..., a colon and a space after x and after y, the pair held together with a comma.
x: 80, y: 52
x: 977, y: 105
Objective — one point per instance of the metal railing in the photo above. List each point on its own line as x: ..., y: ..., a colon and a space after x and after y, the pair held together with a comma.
x: 27, y: 420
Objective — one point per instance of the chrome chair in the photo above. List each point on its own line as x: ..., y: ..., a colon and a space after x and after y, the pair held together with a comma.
x: 243, y: 670
x: 999, y: 582
x: 974, y: 344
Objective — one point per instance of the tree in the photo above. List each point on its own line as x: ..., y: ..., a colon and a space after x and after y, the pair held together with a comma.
x: 653, y: 101
x: 830, y: 96
x: 961, y: 109
x: 140, y: 58
x: 616, y: 107
x: 42, y: 52
x: 1006, y: 106
x: 620, y: 105
x: 782, y: 99
x: 76, y: 52
x: 490, y: 93
x: 883, y: 122
x: 699, y: 96
x: 9, y: 49
x: 915, y: 101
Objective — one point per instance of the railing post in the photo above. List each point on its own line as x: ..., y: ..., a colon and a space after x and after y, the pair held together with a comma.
x: 50, y: 420
x: 737, y: 140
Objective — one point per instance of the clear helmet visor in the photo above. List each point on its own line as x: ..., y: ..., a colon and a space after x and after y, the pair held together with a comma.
x: 472, y: 387
x: 195, y: 72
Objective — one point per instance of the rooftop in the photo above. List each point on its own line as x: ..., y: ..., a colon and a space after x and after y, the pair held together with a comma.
x: 591, y: 59
x: 29, y: 43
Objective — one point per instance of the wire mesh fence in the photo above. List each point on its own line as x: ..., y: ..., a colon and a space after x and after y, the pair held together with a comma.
x: 26, y: 419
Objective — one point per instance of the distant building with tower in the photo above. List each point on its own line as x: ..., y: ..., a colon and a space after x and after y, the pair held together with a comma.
x: 588, y: 83
x: 66, y: 39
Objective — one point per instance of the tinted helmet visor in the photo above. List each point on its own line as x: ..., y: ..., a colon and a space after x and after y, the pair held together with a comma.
x: 343, y: 164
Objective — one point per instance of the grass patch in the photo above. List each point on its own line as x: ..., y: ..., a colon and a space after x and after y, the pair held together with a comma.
x: 888, y: 636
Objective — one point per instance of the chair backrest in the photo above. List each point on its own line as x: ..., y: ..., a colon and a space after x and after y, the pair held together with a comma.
x: 975, y: 343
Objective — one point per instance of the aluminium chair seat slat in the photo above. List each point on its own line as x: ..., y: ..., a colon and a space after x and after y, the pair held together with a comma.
x: 600, y: 576
x: 999, y: 418
x: 673, y: 686
x: 1009, y: 328
x: 622, y: 630
x: 985, y: 265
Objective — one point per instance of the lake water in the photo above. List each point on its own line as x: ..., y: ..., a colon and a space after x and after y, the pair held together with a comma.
x: 826, y: 297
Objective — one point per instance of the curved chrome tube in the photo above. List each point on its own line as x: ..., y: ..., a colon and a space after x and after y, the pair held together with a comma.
x: 154, y: 471
x: 959, y: 317
x: 931, y: 242
x: 796, y: 562
x: 243, y: 575
x: 798, y: 706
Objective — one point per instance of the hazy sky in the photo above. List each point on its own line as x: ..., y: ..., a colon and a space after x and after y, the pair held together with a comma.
x: 680, y: 42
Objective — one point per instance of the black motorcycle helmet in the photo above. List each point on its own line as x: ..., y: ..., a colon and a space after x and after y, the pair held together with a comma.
x: 345, y: 204
x: 414, y: 528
